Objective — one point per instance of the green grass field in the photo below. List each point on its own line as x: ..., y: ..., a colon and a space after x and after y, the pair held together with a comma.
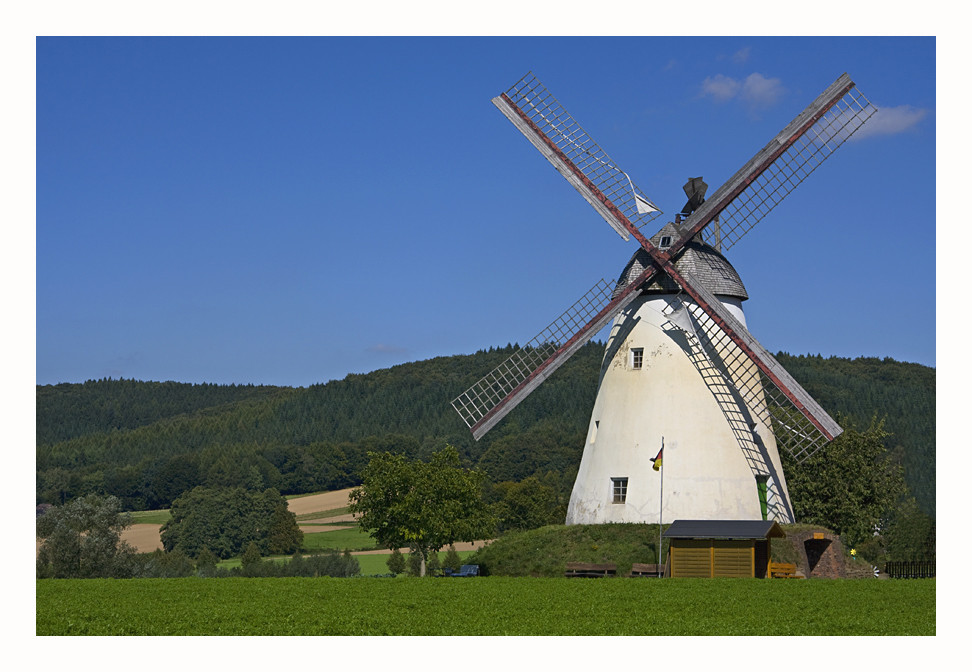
x: 370, y: 564
x: 378, y: 563
x: 326, y: 513
x: 157, y: 517
x: 484, y: 606
x: 352, y: 538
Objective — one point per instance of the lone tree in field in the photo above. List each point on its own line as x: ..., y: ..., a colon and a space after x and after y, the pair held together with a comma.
x: 421, y: 505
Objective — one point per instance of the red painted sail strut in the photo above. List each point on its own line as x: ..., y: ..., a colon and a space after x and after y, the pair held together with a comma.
x: 662, y: 259
x: 704, y: 305
x: 759, y: 170
x: 591, y: 187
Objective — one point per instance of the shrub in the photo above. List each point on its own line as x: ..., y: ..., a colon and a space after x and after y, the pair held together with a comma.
x: 396, y: 562
x: 206, y: 563
x: 415, y: 564
x: 250, y: 561
x: 452, y: 559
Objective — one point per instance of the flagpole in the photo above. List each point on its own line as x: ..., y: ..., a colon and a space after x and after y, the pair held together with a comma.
x: 661, y: 503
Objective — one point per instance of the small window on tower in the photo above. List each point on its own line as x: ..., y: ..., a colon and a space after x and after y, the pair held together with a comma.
x: 665, y: 243
x: 619, y: 490
x: 637, y: 357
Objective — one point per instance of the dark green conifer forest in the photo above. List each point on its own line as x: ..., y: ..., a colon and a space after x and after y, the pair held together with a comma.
x: 148, y: 442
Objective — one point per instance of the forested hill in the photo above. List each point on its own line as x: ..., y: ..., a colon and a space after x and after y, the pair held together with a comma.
x: 146, y: 441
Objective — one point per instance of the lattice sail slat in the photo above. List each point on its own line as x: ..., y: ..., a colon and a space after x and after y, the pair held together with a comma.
x: 766, y: 188
x: 546, y: 115
x: 792, y: 422
x: 499, y: 391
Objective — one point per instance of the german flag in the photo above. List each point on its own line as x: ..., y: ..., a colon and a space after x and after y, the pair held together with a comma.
x: 658, y: 459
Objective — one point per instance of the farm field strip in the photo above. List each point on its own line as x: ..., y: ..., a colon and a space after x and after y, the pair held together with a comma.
x: 483, y: 606
x: 315, y: 513
x: 326, y: 520
x: 326, y: 526
x: 322, y: 513
x: 321, y: 501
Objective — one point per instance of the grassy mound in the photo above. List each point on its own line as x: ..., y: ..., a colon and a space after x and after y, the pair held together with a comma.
x: 545, y: 551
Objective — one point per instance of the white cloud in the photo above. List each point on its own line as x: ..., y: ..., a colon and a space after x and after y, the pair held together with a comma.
x: 891, y: 121
x: 757, y: 91
x: 741, y: 56
x: 760, y: 91
x: 720, y: 87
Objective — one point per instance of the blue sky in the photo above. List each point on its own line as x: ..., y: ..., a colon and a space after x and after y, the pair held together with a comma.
x: 290, y: 210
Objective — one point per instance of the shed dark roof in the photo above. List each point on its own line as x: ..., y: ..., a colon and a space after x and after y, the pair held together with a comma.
x: 724, y: 529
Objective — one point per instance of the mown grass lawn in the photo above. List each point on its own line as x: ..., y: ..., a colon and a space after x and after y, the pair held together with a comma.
x: 352, y: 538
x: 484, y: 606
x: 157, y: 517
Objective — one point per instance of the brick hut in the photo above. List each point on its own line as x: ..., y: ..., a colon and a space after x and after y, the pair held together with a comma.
x: 714, y: 548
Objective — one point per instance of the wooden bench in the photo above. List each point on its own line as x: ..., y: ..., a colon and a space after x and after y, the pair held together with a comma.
x: 783, y: 570
x: 590, y: 570
x: 644, y: 569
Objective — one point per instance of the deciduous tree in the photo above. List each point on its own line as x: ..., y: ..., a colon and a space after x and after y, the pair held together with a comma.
x: 225, y: 520
x: 528, y: 504
x: 421, y: 505
x: 850, y: 485
x: 82, y: 539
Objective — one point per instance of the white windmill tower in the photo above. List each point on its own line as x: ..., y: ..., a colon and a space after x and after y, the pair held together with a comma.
x: 680, y: 366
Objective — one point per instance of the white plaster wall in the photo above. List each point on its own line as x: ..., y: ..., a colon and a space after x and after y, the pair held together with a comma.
x: 706, y: 475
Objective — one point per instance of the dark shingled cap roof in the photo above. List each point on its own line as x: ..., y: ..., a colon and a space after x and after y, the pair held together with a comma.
x: 724, y: 529
x: 699, y: 259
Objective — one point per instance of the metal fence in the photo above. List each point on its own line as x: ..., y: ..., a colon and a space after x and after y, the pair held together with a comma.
x: 917, y: 569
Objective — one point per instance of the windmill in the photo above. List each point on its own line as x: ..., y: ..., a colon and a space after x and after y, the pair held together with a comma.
x: 680, y: 367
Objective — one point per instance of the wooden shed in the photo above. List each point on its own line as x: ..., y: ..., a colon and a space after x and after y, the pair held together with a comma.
x: 712, y: 548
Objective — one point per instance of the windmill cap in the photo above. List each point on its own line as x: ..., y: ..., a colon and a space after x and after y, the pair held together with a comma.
x: 699, y: 259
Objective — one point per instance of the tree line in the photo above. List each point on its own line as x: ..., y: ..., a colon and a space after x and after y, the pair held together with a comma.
x: 852, y: 486
x: 146, y: 443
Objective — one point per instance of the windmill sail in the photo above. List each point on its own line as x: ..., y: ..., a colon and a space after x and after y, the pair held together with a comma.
x: 737, y: 206
x: 769, y: 391
x: 498, y: 392
x: 788, y: 159
x: 550, y: 128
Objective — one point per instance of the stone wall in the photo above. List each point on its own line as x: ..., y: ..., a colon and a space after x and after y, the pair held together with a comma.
x: 819, y: 558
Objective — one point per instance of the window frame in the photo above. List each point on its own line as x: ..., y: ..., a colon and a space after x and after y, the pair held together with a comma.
x: 619, y: 489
